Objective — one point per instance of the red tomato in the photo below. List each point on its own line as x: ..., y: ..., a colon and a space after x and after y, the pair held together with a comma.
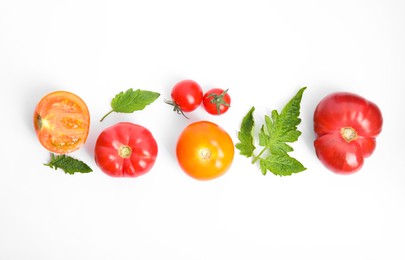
x: 125, y: 150
x: 204, y: 150
x: 61, y: 121
x: 216, y: 101
x: 346, y: 126
x: 186, y: 95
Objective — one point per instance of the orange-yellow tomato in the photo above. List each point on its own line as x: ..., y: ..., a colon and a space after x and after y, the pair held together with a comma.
x: 204, y: 150
x: 61, y: 121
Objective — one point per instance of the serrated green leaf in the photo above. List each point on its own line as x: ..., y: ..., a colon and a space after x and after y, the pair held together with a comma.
x: 279, y: 148
x: 282, y: 165
x: 289, y: 116
x: 264, y: 139
x: 131, y: 101
x: 278, y: 130
x: 290, y: 136
x: 246, y: 146
x: 68, y: 164
x: 262, y: 164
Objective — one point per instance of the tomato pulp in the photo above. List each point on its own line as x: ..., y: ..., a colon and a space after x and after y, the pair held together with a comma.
x: 346, y: 126
x: 204, y: 150
x: 61, y: 122
x: 125, y: 150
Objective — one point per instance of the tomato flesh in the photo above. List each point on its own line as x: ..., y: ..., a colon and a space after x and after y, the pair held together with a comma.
x: 61, y: 122
x: 126, y: 150
x: 346, y: 126
x: 204, y: 150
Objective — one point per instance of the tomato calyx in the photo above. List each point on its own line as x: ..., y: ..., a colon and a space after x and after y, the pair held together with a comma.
x: 205, y: 153
x: 348, y: 133
x: 124, y: 151
x: 176, y: 107
x: 218, y: 100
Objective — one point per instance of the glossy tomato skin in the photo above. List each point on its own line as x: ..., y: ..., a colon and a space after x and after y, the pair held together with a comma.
x: 61, y: 122
x: 187, y: 95
x: 204, y: 150
x: 216, y: 101
x: 125, y: 150
x: 346, y: 126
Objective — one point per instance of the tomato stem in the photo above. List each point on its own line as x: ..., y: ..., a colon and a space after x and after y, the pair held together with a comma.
x: 124, y: 151
x: 205, y: 153
x: 257, y: 157
x: 348, y: 133
x: 175, y: 107
x: 101, y: 120
x: 218, y: 100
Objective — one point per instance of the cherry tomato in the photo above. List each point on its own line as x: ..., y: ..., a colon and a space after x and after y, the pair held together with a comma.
x: 216, y: 101
x: 346, y: 126
x: 125, y: 150
x: 204, y: 150
x: 186, y: 96
x: 61, y: 122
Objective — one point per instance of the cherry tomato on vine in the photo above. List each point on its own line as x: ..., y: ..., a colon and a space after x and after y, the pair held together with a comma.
x: 204, y: 150
x: 216, y: 101
x: 186, y: 96
x: 125, y: 150
x: 61, y: 122
x: 346, y: 126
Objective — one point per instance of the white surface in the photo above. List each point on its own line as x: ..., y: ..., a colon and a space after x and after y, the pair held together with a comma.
x: 263, y: 51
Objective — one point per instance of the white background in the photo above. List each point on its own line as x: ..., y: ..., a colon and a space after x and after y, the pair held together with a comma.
x: 263, y: 51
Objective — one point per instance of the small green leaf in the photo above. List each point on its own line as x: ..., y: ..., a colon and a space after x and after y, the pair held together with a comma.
x: 279, y: 148
x: 264, y: 139
x: 68, y: 164
x: 131, y: 101
x: 282, y: 165
x: 289, y: 116
x: 263, y: 168
x: 246, y: 146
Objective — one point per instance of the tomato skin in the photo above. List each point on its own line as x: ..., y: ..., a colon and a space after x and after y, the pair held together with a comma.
x: 125, y: 150
x: 61, y: 122
x: 187, y: 95
x: 346, y: 126
x: 216, y: 101
x: 204, y: 150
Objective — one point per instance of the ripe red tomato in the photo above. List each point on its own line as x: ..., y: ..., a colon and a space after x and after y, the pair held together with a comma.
x: 125, y: 150
x: 346, y: 126
x: 216, y: 101
x: 204, y: 150
x: 61, y: 122
x: 186, y: 96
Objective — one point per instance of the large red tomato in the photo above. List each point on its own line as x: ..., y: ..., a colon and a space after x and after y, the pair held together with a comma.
x: 346, y: 126
x: 204, y: 150
x: 61, y: 121
x: 125, y: 150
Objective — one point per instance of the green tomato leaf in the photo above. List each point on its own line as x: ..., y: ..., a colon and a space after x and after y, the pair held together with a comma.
x: 281, y: 165
x: 288, y: 120
x: 246, y: 146
x: 68, y: 164
x: 131, y: 101
x: 278, y: 130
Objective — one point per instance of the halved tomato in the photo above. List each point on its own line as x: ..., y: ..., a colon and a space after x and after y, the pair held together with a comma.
x: 62, y: 122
